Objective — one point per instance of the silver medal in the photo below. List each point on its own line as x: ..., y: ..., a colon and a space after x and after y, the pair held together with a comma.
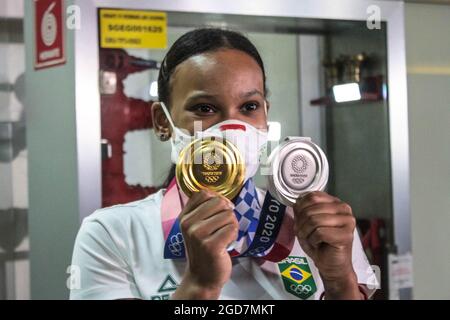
x: 297, y: 167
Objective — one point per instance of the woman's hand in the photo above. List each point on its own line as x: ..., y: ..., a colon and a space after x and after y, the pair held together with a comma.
x: 324, y: 226
x: 209, y: 225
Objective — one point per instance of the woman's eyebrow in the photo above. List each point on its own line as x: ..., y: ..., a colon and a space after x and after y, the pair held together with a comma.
x: 200, y: 95
x: 205, y: 95
x: 252, y: 93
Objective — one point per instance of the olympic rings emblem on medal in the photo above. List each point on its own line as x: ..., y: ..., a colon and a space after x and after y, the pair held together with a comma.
x: 211, y: 179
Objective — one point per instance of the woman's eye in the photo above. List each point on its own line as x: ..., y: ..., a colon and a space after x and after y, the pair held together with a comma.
x: 248, y: 107
x: 204, y: 108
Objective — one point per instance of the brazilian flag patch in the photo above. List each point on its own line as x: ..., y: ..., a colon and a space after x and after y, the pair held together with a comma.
x: 297, y: 277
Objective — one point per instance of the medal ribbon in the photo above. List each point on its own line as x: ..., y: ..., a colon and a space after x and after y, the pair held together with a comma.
x: 265, y: 232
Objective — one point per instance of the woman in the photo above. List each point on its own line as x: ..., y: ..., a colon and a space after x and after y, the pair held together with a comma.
x: 215, y: 76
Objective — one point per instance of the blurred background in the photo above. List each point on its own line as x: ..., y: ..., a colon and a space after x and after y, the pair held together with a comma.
x: 367, y: 80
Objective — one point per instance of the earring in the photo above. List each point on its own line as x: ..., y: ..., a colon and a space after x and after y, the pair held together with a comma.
x: 163, y: 137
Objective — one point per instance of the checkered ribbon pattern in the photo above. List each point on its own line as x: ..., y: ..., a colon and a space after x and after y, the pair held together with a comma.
x: 247, y: 211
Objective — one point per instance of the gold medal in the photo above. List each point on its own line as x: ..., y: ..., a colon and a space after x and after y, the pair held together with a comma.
x: 211, y: 163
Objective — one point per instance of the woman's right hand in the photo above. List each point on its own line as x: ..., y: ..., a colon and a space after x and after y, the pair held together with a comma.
x: 209, y: 225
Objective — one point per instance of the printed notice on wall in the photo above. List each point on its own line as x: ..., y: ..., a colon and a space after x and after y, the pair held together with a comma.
x: 133, y: 29
x: 400, y: 274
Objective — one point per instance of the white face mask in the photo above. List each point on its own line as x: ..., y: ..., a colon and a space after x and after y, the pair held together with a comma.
x: 250, y: 141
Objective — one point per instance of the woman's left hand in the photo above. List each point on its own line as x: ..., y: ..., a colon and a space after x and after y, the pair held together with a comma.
x: 324, y: 226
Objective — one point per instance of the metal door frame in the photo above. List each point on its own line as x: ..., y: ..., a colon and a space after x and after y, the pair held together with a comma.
x: 88, y: 98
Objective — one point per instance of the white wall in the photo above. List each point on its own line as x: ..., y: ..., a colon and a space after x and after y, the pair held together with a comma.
x: 428, y: 62
x: 11, y: 8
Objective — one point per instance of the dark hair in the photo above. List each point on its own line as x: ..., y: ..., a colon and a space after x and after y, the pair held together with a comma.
x: 197, y: 42
x: 194, y: 43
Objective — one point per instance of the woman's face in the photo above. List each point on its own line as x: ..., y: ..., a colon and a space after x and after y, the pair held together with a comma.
x: 214, y: 87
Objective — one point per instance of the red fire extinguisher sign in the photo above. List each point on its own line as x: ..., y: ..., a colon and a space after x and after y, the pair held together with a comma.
x: 49, y: 33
